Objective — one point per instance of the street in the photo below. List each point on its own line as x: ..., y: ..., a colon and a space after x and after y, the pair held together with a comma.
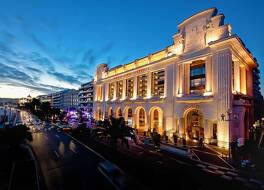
x: 66, y: 164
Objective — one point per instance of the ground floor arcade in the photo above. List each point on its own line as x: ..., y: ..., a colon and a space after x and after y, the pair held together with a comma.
x: 191, y: 123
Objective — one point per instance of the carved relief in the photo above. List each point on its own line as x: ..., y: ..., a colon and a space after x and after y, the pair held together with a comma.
x: 100, y: 71
x: 200, y: 30
x: 179, y: 44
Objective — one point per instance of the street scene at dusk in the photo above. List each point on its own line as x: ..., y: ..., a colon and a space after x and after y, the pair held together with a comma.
x: 126, y: 95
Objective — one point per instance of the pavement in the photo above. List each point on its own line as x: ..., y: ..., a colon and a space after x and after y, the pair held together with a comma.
x: 205, y: 160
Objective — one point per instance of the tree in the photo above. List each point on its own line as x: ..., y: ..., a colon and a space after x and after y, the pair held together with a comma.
x: 45, y: 109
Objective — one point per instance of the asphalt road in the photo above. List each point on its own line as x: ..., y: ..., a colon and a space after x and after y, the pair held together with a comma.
x: 65, y: 163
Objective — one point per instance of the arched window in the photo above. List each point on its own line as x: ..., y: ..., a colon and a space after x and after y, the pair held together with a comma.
x: 156, y: 115
x: 129, y: 113
x: 110, y: 112
x: 119, y: 113
x: 141, y: 117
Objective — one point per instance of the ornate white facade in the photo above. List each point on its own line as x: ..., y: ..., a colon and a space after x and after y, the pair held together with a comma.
x: 201, y: 86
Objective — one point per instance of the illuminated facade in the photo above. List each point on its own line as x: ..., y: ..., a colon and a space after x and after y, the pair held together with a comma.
x: 198, y: 87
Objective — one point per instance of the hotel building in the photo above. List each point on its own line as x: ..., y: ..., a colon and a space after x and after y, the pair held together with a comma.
x: 86, y: 98
x: 201, y: 86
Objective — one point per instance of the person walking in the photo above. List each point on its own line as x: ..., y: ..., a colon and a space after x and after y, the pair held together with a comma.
x: 175, y: 138
x: 184, y: 141
x: 201, y: 144
x: 145, y: 140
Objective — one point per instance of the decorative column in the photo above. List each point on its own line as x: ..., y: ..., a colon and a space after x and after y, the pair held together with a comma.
x: 106, y: 91
x: 236, y: 76
x: 115, y: 90
x: 181, y: 79
x: 135, y: 87
x: 208, y: 133
x: 208, y: 74
x: 181, y: 127
x: 124, y: 89
x: 243, y: 80
x: 186, y: 78
x: 149, y: 86
x: 223, y: 62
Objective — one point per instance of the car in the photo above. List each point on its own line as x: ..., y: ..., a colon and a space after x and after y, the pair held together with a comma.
x: 66, y: 128
x: 35, y: 130
x: 116, y: 177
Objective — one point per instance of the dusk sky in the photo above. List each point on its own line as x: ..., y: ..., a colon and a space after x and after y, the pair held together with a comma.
x: 49, y: 45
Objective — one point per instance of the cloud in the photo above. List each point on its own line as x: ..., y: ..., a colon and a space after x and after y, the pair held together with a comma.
x: 64, y: 77
x: 50, y: 58
x: 8, y: 72
x: 108, y: 47
x: 37, y: 71
x: 89, y: 57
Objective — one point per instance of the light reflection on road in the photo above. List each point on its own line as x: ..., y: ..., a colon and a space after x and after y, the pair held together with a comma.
x: 61, y: 148
x: 72, y: 146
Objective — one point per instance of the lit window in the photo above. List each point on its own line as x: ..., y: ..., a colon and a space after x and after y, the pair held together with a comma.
x: 119, y: 90
x: 111, y: 90
x: 141, y: 117
x: 130, y: 88
x: 157, y: 87
x: 197, y: 77
x: 142, y: 86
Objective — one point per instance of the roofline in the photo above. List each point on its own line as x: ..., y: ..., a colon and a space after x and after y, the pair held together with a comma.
x: 236, y: 37
x: 213, y: 10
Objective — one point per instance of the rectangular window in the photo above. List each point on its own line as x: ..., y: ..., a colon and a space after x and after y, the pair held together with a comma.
x: 142, y: 86
x: 99, y: 93
x: 158, y: 81
x: 111, y: 90
x: 197, y: 77
x: 119, y: 89
x: 130, y: 88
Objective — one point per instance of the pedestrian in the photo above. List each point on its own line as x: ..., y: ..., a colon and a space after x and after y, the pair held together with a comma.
x: 158, y: 141
x: 201, y: 142
x: 175, y: 138
x: 166, y: 139
x: 145, y: 140
x: 184, y: 141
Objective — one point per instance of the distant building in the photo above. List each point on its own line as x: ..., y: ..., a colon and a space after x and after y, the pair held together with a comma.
x: 22, y: 101
x: 65, y: 100
x: 86, y: 97
x: 45, y: 98
x: 56, y: 99
x: 9, y: 102
x: 258, y: 98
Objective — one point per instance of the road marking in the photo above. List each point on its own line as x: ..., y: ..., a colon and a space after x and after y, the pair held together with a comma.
x: 56, y: 153
x: 226, y: 162
x: 57, y: 136
x: 196, y: 155
x: 96, y: 153
x: 74, y: 151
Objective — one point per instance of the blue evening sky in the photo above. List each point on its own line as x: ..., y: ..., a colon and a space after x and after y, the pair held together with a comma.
x: 48, y: 45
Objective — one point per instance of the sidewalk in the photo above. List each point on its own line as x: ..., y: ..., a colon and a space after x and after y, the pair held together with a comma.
x: 208, y: 153
x: 176, y: 153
